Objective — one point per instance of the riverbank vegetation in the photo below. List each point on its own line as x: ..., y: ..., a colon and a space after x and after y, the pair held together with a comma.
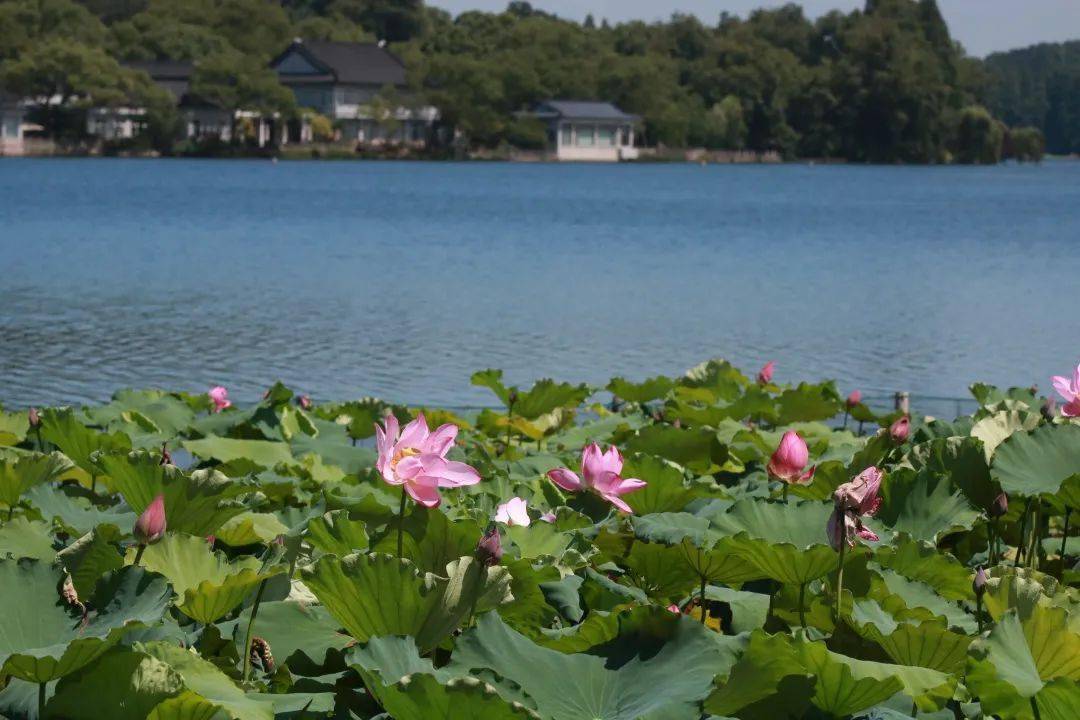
x: 883, y: 84
x: 707, y: 545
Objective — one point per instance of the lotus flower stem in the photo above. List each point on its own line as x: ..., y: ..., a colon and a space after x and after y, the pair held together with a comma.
x: 702, y: 599
x: 839, y: 582
x: 995, y: 538
x: 802, y: 604
x: 1036, y: 521
x: 845, y: 418
x: 401, y: 523
x: 1035, y: 707
x: 1023, y: 534
x: 786, y: 487
x: 1065, y: 536
x: 138, y: 554
x: 41, y: 701
x: 978, y: 611
x: 250, y: 627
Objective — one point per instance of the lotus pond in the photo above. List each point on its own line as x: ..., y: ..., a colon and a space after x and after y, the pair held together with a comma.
x: 705, y: 546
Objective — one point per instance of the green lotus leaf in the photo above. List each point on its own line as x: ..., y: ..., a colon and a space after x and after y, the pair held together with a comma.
x: 41, y: 639
x: 768, y: 681
x: 337, y: 534
x: 262, y: 452
x: 666, y: 489
x: 917, y: 594
x: 578, y: 436
x: 697, y: 449
x: 198, y: 504
x: 76, y: 441
x: 924, y: 505
x: 339, y: 454
x: 962, y: 460
x: 784, y: 541
x: 672, y: 528
x: 723, y: 380
x: 431, y: 539
x: 1022, y: 589
x: 291, y: 628
x: 539, y: 539
x: 531, y: 587
x: 91, y: 556
x: 76, y: 515
x: 18, y: 476
x: 360, y: 416
x: 122, y: 684
x: 642, y: 392
x: 749, y: 610
x: 1037, y: 463
x: 250, y: 528
x: 921, y: 561
x: 1023, y: 663
x: 995, y: 428
x: 547, y: 395
x: 210, y: 691
x: 662, y: 571
x: 846, y: 686
x: 926, y: 644
x: 492, y: 379
x: 22, y: 538
x: 13, y: 428
x: 299, y: 705
x: 807, y: 403
x: 210, y: 601
x: 662, y: 666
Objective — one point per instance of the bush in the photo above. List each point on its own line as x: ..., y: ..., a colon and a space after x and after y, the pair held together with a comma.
x: 979, y: 137
x: 1025, y: 144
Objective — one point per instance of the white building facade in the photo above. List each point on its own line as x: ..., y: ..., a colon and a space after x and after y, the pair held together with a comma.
x: 587, y: 131
x: 11, y: 126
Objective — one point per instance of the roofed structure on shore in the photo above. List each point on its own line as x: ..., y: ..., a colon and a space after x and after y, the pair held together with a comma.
x: 587, y: 130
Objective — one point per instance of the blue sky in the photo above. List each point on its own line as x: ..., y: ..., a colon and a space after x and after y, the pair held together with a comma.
x: 983, y: 26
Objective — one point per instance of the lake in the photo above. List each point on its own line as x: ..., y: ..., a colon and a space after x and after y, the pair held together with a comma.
x: 400, y: 279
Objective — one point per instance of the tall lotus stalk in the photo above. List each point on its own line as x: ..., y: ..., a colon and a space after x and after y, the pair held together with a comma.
x: 997, y: 510
x: 978, y: 585
x: 852, y: 401
x: 852, y: 501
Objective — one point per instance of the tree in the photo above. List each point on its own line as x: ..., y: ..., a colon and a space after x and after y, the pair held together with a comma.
x: 979, y: 137
x: 26, y: 23
x: 235, y: 82
x: 1025, y: 144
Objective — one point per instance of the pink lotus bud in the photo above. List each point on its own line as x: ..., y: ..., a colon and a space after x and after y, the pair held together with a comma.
x: 166, y: 458
x: 150, y: 527
x: 674, y: 609
x: 979, y: 583
x: 219, y: 396
x: 790, y: 458
x: 33, y: 417
x: 764, y: 376
x: 854, y: 399
x: 304, y: 401
x: 1000, y: 506
x: 489, y: 550
x: 900, y: 430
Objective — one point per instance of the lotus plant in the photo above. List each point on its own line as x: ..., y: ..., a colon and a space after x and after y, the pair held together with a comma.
x: 150, y: 525
x: 850, y: 404
x: 415, y: 460
x: 1069, y: 390
x: 788, y: 462
x: 514, y: 512
x: 219, y: 396
x: 601, y: 473
x: 852, y: 501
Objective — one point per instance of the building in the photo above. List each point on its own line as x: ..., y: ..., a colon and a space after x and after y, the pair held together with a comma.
x: 360, y: 87
x: 11, y: 125
x: 587, y: 130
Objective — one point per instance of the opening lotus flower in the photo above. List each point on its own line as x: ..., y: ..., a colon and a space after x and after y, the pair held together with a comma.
x: 600, y: 474
x: 1069, y: 390
x: 220, y: 397
x: 789, y: 460
x: 900, y: 430
x: 764, y: 376
x: 853, y: 501
x: 150, y: 525
x: 416, y: 459
x: 513, y: 512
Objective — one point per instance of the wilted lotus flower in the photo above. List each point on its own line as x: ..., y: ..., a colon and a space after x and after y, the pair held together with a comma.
x: 764, y: 376
x: 513, y: 512
x: 600, y: 474
x: 851, y: 502
x: 150, y: 526
x: 489, y: 550
x: 34, y: 418
x: 417, y: 459
x: 790, y: 458
x: 1069, y: 392
x: 220, y: 397
x: 1000, y: 506
x: 304, y: 401
x: 979, y: 583
x: 261, y: 655
x: 854, y: 399
x: 900, y: 430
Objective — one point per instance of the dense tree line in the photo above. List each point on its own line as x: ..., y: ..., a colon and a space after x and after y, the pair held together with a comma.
x: 1039, y: 86
x: 883, y: 84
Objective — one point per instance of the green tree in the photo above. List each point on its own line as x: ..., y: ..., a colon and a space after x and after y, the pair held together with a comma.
x: 979, y: 137
x: 1025, y: 144
x: 26, y: 23
x: 235, y: 82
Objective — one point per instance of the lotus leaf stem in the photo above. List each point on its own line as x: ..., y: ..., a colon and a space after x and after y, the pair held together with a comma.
x: 1065, y: 537
x: 702, y: 599
x: 1023, y: 534
x: 802, y: 604
x: 1035, y: 707
x: 250, y: 628
x: 41, y: 701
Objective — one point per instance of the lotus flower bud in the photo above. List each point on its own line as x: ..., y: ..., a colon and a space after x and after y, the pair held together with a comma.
x: 854, y: 399
x: 489, y: 550
x: 219, y: 396
x: 764, y: 376
x: 34, y: 418
x: 166, y: 458
x: 979, y: 583
x: 900, y: 430
x: 304, y: 401
x: 789, y: 459
x: 1049, y: 409
x: 261, y: 655
x: 150, y: 527
x: 1000, y: 506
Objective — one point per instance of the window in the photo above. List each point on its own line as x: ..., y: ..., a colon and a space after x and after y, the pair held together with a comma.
x: 567, y: 135
x: 585, y: 136
x: 605, y: 136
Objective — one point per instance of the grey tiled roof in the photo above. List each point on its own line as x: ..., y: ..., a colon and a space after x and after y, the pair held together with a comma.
x: 583, y: 110
x: 347, y: 62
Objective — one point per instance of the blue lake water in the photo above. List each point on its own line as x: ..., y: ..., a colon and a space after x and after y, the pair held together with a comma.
x: 400, y: 279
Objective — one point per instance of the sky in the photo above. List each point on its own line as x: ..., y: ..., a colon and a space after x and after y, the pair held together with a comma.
x: 983, y: 26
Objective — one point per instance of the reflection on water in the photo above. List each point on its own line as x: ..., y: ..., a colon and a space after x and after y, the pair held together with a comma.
x: 400, y: 279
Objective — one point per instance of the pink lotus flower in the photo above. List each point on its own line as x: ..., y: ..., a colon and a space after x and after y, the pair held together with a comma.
x: 900, y: 430
x: 764, y: 376
x: 150, y: 525
x: 599, y: 474
x: 790, y: 458
x: 513, y: 512
x: 854, y: 399
x: 1069, y: 392
x: 33, y: 417
x: 304, y: 401
x: 851, y: 502
x: 674, y: 609
x: 417, y: 459
x: 220, y: 397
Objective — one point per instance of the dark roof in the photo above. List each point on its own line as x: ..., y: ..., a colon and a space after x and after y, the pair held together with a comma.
x: 344, y: 62
x: 582, y: 110
x: 163, y: 69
